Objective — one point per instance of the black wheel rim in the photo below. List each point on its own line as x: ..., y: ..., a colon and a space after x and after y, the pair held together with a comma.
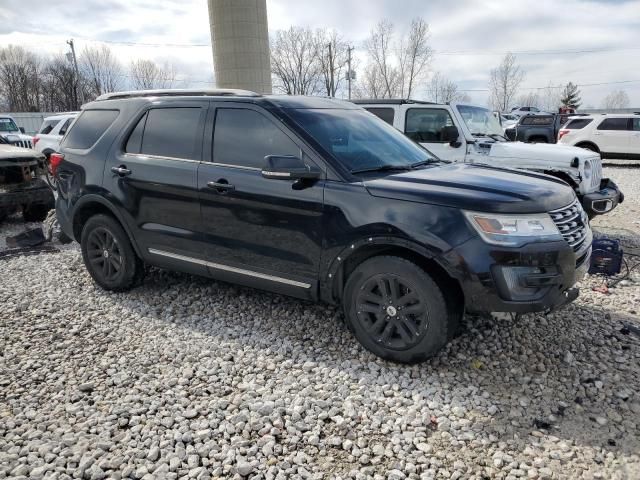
x: 392, y: 311
x: 104, y: 254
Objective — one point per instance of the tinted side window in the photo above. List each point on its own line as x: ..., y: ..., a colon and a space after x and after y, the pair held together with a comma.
x: 89, y: 128
x: 537, y: 120
x: 47, y: 126
x: 614, y: 124
x: 172, y: 132
x: 426, y: 124
x: 244, y: 137
x: 636, y: 124
x: 579, y: 123
x: 65, y: 126
x: 134, y: 144
x: 385, y: 114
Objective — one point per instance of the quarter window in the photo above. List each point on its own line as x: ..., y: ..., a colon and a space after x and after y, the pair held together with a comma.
x: 134, y: 144
x: 89, y: 128
x: 47, y: 126
x: 614, y: 124
x: 636, y: 124
x: 65, y: 126
x: 244, y: 137
x: 578, y: 123
x: 427, y: 124
x: 385, y: 114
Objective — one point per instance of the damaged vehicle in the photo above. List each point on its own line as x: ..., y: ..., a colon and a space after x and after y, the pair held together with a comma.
x: 468, y: 133
x: 22, y: 186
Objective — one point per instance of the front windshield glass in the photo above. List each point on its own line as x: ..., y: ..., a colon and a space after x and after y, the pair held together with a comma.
x: 8, y: 125
x: 480, y: 120
x: 360, y: 140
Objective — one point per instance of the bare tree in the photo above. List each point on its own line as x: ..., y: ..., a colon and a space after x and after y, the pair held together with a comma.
x: 442, y: 90
x: 616, y: 99
x: 504, y: 83
x: 371, y: 84
x: 379, y: 47
x: 531, y: 99
x: 332, y: 52
x: 20, y: 72
x: 59, y: 92
x: 415, y: 56
x: 550, y: 97
x: 147, y: 75
x: 294, y: 61
x: 102, y: 70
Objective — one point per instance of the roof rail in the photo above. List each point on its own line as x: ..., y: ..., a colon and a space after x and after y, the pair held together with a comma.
x: 390, y: 101
x: 178, y: 92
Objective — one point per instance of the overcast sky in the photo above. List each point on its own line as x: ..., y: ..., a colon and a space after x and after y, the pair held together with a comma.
x: 468, y: 39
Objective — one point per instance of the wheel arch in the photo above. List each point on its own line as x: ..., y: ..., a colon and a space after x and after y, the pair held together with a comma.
x: 347, y: 261
x: 91, y: 205
x: 586, y: 144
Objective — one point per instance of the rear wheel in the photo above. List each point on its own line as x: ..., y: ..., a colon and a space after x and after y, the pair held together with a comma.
x: 396, y: 310
x: 109, y: 255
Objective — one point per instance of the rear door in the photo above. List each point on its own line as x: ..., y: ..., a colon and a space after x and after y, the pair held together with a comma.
x: 613, y: 135
x: 425, y: 125
x: 258, y: 232
x: 152, y: 176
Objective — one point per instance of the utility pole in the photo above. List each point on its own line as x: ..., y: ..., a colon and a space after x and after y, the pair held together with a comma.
x: 350, y: 75
x: 75, y: 66
x: 332, y: 90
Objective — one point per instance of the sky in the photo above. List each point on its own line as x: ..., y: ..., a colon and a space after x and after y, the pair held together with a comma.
x: 555, y: 41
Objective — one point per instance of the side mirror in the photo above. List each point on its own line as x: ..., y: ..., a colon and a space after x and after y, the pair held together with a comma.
x: 288, y: 167
x: 450, y: 134
x: 21, y: 129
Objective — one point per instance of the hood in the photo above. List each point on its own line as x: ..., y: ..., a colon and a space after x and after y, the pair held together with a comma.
x: 15, y: 136
x: 544, y: 152
x: 9, y: 152
x: 475, y: 187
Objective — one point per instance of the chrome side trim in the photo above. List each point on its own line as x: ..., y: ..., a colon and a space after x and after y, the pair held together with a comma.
x: 229, y: 165
x: 228, y: 268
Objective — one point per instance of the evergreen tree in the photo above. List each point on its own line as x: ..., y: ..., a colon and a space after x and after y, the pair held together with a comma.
x: 571, y: 96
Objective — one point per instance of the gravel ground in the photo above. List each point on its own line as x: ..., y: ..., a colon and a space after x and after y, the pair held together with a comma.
x: 188, y: 378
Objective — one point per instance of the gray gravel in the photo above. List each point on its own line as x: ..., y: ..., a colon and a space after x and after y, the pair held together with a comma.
x: 188, y: 378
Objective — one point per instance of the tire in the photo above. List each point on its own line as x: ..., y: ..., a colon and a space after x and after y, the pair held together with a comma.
x: 35, y: 212
x: 119, y: 269
x: 377, y: 321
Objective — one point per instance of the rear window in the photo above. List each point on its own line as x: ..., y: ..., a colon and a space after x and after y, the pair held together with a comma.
x: 89, y: 128
x: 578, y: 123
x: 47, y: 126
x: 614, y: 124
x: 385, y: 114
x: 536, y: 120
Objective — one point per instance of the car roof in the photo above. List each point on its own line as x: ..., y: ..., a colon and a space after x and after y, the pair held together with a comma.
x: 168, y: 95
x: 59, y: 116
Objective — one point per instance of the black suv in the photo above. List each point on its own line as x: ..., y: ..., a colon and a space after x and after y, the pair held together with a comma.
x: 318, y: 199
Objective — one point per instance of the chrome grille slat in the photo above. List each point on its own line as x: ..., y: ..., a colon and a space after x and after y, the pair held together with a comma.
x: 597, y: 172
x: 571, y: 225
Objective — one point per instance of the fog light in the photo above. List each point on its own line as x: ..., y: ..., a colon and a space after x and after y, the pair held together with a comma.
x: 524, y: 283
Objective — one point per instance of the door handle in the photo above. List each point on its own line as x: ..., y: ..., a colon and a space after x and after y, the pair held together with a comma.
x: 221, y: 186
x: 121, y: 170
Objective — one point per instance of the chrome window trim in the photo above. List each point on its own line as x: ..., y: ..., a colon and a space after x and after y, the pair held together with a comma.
x: 160, y: 157
x: 241, y: 167
x: 228, y: 268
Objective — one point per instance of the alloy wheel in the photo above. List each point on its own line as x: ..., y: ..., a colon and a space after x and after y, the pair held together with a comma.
x: 104, y: 253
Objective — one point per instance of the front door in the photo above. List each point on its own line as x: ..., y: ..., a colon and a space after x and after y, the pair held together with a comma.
x: 425, y: 125
x: 258, y: 231
x: 153, y: 178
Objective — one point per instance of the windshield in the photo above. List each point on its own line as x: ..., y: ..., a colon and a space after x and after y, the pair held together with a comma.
x: 480, y: 121
x: 8, y: 125
x: 359, y: 140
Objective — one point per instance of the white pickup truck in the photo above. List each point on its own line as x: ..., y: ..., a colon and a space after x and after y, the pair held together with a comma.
x: 469, y: 133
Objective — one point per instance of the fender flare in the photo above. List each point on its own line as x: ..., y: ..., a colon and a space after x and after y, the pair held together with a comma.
x: 95, y: 198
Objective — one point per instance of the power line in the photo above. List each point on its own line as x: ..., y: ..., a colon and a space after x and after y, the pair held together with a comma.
x: 555, y: 86
x: 534, y: 52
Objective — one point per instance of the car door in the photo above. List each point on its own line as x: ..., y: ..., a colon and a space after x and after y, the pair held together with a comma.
x: 152, y: 176
x: 634, y: 144
x: 425, y: 125
x: 612, y: 135
x: 258, y: 232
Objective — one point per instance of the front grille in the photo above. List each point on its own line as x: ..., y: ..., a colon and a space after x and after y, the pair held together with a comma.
x: 572, y: 224
x: 596, y: 175
x: 22, y: 143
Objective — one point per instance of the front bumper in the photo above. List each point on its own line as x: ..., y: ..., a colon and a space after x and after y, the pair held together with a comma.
x: 604, y: 200
x: 36, y: 191
x: 533, y: 278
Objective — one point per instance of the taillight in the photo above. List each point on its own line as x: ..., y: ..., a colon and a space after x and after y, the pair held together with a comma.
x: 55, y: 159
x: 562, y: 133
x: 35, y: 140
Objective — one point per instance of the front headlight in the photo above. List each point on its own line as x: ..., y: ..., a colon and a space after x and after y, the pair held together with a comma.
x: 513, y: 230
x: 587, y: 170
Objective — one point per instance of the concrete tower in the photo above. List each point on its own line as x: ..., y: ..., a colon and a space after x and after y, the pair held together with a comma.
x: 240, y: 40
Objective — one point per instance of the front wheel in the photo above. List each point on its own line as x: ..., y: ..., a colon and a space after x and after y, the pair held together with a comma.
x: 396, y: 310
x: 109, y: 255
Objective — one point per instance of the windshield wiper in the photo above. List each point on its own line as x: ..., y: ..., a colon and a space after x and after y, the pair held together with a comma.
x: 479, y: 134
x: 497, y: 136
x: 383, y: 168
x: 424, y: 162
